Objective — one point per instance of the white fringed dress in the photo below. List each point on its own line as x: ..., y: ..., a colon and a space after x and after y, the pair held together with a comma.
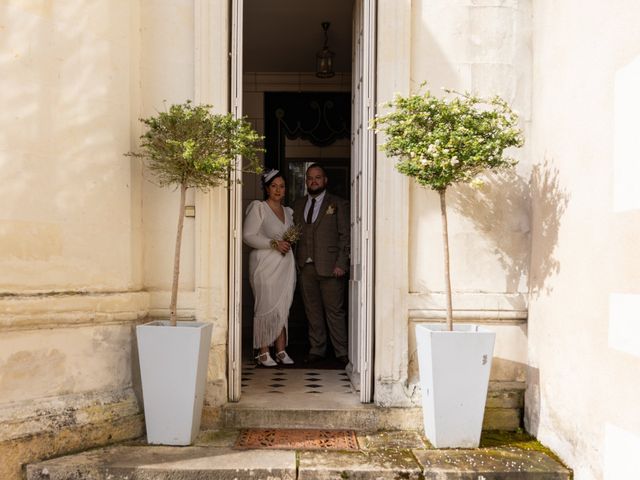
x: 271, y: 274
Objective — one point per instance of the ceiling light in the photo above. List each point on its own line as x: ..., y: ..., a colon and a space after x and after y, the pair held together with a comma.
x: 324, y: 58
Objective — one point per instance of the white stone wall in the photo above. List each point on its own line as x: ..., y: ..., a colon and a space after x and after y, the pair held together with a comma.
x: 82, y: 232
x: 483, y: 47
x: 167, y: 74
x: 184, y: 56
x: 584, y: 353
x: 68, y: 215
x: 70, y: 223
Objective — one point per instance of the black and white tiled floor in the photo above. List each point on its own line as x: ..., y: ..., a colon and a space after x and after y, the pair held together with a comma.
x: 296, y: 388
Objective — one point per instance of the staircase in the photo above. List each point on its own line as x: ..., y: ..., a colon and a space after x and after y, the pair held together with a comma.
x: 390, y: 444
x: 381, y: 455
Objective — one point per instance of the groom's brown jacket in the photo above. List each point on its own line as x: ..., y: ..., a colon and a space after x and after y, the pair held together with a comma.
x: 327, y: 241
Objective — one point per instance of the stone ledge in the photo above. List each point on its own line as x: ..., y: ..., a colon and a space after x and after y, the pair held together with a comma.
x: 500, y: 305
x: 489, y: 463
x: 368, y: 418
x: 503, y: 411
x: 481, y: 317
x: 506, y: 395
x: 381, y: 464
x: 169, y: 463
x: 53, y: 414
x: 508, y: 419
x: 18, y: 452
x: 71, y: 309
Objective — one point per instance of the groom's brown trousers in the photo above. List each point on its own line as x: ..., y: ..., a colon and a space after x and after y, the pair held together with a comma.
x: 324, y: 295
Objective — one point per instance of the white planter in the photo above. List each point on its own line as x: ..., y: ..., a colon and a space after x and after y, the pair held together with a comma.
x: 173, y: 367
x: 454, y: 376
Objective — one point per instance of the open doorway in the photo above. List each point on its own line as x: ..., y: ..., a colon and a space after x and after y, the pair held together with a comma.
x: 306, y: 119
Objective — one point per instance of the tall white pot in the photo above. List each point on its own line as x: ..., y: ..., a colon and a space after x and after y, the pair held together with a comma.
x: 454, y: 377
x: 173, y: 368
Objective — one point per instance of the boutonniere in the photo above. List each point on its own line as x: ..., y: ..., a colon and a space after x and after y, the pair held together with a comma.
x: 331, y: 209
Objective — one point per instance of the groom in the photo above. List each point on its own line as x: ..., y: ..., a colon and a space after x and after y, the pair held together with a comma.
x: 322, y: 257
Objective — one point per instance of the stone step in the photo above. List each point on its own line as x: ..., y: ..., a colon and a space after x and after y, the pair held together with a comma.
x: 503, y: 411
x: 234, y: 416
x: 360, y: 417
x: 167, y: 463
x: 201, y: 462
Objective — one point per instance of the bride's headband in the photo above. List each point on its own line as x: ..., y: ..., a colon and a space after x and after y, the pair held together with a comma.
x: 266, y: 176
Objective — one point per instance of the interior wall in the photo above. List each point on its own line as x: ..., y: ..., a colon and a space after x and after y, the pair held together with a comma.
x: 583, y: 390
x: 284, y: 35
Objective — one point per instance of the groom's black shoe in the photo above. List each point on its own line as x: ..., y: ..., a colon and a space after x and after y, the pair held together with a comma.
x: 313, y: 358
x: 343, y: 359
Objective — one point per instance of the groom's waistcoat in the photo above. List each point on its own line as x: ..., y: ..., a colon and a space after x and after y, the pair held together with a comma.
x: 325, y: 241
x: 307, y: 243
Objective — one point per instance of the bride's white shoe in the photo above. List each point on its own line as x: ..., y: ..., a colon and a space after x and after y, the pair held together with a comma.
x: 283, y: 358
x: 265, y: 360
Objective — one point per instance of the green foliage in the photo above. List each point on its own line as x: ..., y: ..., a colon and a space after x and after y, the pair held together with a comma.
x: 188, y: 145
x: 442, y: 141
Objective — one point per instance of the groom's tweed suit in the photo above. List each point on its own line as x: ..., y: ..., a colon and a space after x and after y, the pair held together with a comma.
x: 326, y: 242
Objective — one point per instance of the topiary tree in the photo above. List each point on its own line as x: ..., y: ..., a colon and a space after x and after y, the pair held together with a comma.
x: 443, y: 141
x: 188, y: 146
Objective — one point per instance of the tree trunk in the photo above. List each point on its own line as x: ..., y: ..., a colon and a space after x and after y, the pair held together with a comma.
x: 176, y: 260
x: 445, y: 243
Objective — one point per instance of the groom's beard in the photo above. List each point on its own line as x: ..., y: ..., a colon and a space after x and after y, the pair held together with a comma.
x: 316, y: 191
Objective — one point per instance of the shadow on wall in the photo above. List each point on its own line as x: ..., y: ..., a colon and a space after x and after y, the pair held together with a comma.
x: 500, y: 211
x: 549, y: 201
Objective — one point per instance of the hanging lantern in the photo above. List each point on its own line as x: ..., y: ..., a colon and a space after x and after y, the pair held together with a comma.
x: 324, y: 58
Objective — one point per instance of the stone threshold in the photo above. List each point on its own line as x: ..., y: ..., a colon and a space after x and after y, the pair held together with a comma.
x: 381, y: 455
x: 503, y: 411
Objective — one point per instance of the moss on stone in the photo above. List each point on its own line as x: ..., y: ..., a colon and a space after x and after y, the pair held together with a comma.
x: 217, y: 437
x: 518, y: 439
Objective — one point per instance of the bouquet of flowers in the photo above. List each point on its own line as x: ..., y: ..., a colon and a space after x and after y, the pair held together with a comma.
x: 292, y: 234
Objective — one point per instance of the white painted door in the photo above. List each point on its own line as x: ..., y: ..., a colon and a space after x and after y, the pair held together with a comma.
x: 362, y: 184
x: 235, y: 216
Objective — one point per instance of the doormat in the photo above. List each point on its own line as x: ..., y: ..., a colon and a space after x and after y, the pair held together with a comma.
x: 297, y: 439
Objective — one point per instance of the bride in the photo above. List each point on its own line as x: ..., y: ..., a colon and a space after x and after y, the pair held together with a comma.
x: 271, y: 269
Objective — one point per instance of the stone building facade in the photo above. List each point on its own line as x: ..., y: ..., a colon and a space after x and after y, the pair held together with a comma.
x: 546, y: 257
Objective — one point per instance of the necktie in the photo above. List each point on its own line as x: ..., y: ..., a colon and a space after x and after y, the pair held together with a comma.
x: 311, y: 209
